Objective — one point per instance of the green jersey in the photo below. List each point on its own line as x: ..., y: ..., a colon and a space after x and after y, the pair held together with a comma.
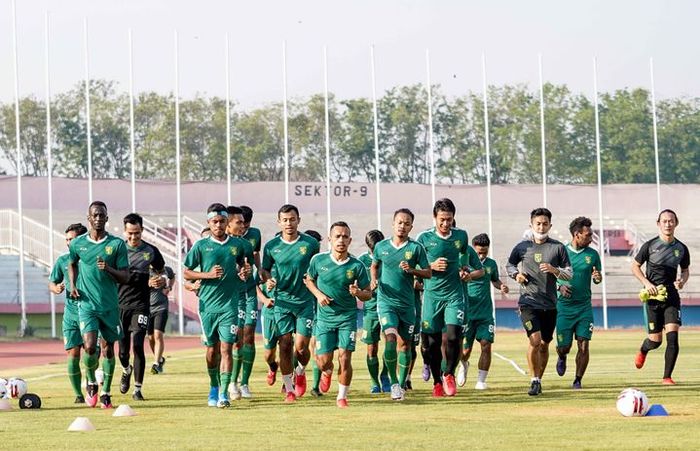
x: 249, y: 284
x: 370, y: 305
x: 478, y: 292
x: 59, y: 273
x: 218, y: 295
x: 254, y: 237
x: 290, y: 261
x: 97, y: 287
x: 444, y: 285
x: 395, y: 286
x: 333, y: 278
x: 582, y: 262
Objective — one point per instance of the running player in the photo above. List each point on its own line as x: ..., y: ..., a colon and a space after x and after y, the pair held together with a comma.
x: 662, y: 256
x: 443, y: 298
x: 370, y: 323
x: 98, y: 262
x: 480, y: 323
x: 220, y: 264
x: 135, y: 302
x: 395, y: 263
x: 289, y: 255
x: 543, y: 260
x: 336, y: 278
x: 159, y: 317
x: 72, y: 340
x: 574, y: 308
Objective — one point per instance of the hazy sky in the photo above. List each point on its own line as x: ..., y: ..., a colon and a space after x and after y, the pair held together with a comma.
x: 622, y: 34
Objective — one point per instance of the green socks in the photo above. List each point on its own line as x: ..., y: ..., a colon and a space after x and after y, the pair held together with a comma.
x: 213, y: 376
x: 90, y: 363
x: 317, y: 374
x: 108, y: 368
x: 237, y: 363
x: 225, y: 382
x: 74, y: 375
x: 404, y: 365
x: 248, y: 356
x: 390, y: 360
x: 373, y: 367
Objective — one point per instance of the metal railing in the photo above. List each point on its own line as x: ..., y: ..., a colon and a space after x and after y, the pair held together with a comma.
x: 36, y: 238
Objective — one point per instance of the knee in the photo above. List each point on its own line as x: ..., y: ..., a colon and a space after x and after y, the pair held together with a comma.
x: 453, y: 333
x: 485, y: 346
x: 672, y: 339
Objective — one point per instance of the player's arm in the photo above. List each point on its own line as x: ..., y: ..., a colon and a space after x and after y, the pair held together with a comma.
x: 263, y: 298
x: 512, y: 266
x: 374, y: 274
x: 641, y: 258
x: 73, y: 259
x: 56, y: 285
x: 321, y: 298
x: 215, y: 273
x: 685, y: 270
x: 266, y: 265
x: 360, y: 287
x: 422, y: 268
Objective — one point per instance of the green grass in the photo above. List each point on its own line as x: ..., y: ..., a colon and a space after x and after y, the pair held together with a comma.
x: 504, y: 417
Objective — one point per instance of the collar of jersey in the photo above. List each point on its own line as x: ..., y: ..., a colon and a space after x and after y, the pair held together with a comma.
x: 87, y: 236
x: 290, y: 242
x: 339, y: 263
x: 437, y: 234
x: 578, y: 251
x: 391, y: 241
x: 221, y: 243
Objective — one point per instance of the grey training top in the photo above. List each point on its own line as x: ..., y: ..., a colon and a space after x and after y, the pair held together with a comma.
x: 540, y: 290
x: 159, y: 301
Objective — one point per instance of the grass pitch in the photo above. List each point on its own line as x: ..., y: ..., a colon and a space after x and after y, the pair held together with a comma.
x: 175, y: 415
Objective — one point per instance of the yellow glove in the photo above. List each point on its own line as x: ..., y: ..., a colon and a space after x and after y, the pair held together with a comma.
x: 661, y: 294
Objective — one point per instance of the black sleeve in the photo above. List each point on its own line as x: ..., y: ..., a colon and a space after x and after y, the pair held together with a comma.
x: 513, y: 261
x: 685, y: 261
x: 158, y: 263
x: 643, y: 254
x: 564, y: 261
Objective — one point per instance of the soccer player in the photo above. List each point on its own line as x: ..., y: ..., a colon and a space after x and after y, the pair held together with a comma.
x: 395, y: 263
x: 543, y: 260
x: 289, y: 255
x: 480, y: 323
x: 221, y: 265
x: 662, y: 256
x: 574, y: 308
x: 72, y: 340
x: 315, y: 388
x: 443, y: 298
x: 135, y: 303
x: 269, y: 331
x: 159, y: 317
x: 370, y: 323
x: 98, y: 261
x: 336, y: 278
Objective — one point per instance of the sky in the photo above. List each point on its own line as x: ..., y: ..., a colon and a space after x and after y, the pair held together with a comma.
x: 622, y: 35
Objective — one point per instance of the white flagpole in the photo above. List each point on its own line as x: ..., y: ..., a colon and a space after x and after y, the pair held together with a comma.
x: 542, y: 137
x: 285, y: 117
x: 22, y: 297
x: 228, y: 125
x: 487, y: 144
x: 376, y: 140
x: 132, y: 140
x: 49, y: 164
x: 87, y: 108
x: 178, y: 246
x: 23, y: 320
x: 601, y: 233
x: 328, y: 139
x: 656, y: 138
x: 430, y: 127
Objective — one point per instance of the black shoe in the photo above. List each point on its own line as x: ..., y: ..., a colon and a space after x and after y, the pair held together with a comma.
x: 161, y: 364
x: 137, y: 396
x: 125, y: 381
x: 409, y: 385
x: 79, y: 399
x: 154, y: 369
x: 316, y: 393
x: 535, y: 388
x: 106, y: 401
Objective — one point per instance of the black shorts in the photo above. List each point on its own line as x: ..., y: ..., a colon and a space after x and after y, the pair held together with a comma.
x: 539, y: 320
x: 661, y: 313
x: 134, y: 320
x: 158, y: 321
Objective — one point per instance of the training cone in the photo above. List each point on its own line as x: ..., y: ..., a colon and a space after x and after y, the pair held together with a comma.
x: 5, y: 404
x: 657, y: 410
x: 81, y: 424
x: 124, y: 411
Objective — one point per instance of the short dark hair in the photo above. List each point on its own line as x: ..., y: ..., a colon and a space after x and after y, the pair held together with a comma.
x: 444, y: 204
x: 287, y: 208
x: 405, y: 211
x: 481, y: 239
x: 97, y: 203
x: 373, y: 237
x: 540, y: 212
x: 216, y: 207
x: 233, y: 210
x: 667, y: 210
x: 247, y: 213
x: 339, y: 224
x: 578, y: 224
x: 313, y: 234
x: 133, y: 219
x: 78, y: 228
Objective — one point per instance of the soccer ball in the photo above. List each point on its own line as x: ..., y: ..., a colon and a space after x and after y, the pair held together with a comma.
x: 3, y: 389
x: 17, y: 387
x: 632, y: 403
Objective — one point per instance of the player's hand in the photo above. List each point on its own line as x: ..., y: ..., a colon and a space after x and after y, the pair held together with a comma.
x: 60, y: 287
x: 439, y: 265
x: 678, y: 284
x: 521, y: 278
x: 74, y: 293
x: 547, y: 268
x: 596, y: 276
x: 217, y: 272
x: 271, y: 283
x: 464, y: 275
x: 324, y: 300
x: 504, y: 288
x: 246, y: 270
x: 565, y: 290
x: 268, y: 302
x: 373, y: 284
x: 156, y: 282
x: 405, y: 267
x: 354, y: 289
x: 418, y: 284
x: 651, y: 288
x: 101, y: 265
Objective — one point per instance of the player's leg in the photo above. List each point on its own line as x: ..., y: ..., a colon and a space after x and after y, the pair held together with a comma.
x: 484, y: 364
x: 237, y: 355
x: 326, y: 343
x: 655, y: 325
x: 425, y: 354
x: 125, y: 320
x: 413, y: 349
x: 454, y: 320
x: 139, y: 355
x: 548, y: 320
x: 304, y: 326
x: 111, y: 332
x: 390, y: 322
x: 156, y: 326
x: 210, y: 339
x: 346, y: 346
x: 228, y: 333
x: 269, y: 331
x: 72, y: 343
x: 285, y: 323
x: 565, y: 337
x: 370, y: 336
x: 672, y: 324
x: 403, y: 349
x: 89, y: 327
x: 248, y: 349
x: 584, y: 333
x: 468, y: 336
x: 433, y: 322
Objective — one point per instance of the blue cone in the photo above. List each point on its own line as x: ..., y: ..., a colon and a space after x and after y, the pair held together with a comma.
x: 657, y: 410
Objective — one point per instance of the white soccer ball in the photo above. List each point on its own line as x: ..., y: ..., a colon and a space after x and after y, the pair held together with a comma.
x: 632, y: 403
x: 99, y: 376
x: 16, y: 387
x: 3, y: 389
